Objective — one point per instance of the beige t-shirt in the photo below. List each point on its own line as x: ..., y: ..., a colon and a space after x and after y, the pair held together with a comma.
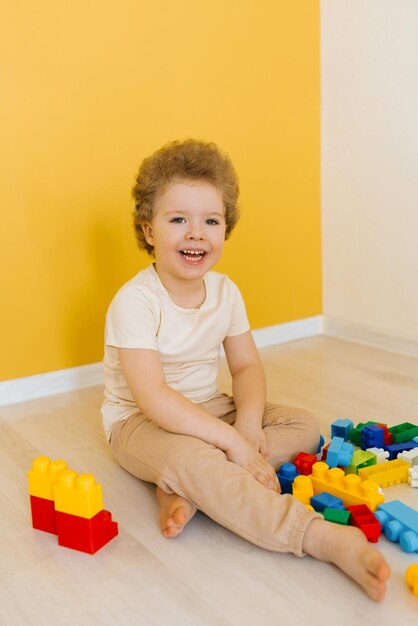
x: 142, y: 315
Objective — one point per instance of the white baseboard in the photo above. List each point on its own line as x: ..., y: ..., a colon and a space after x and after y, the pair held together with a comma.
x: 282, y: 333
x: 369, y: 336
x: 31, y: 387
x: 40, y: 385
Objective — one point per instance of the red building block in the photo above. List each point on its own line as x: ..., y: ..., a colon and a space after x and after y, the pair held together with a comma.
x: 388, y: 437
x: 43, y: 514
x: 304, y: 462
x: 324, y: 453
x: 85, y: 535
x: 363, y: 518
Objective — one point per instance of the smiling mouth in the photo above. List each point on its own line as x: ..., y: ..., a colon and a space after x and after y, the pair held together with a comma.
x: 193, y: 256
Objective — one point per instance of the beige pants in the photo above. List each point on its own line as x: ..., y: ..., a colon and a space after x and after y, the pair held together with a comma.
x: 225, y: 492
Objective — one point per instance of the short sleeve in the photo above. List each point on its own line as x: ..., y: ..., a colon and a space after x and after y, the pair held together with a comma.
x: 133, y: 319
x: 239, y: 320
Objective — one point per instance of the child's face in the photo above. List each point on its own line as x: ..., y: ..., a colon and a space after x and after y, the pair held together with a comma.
x: 187, y: 229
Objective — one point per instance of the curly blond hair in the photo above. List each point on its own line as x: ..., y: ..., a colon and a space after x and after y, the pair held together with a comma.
x: 186, y: 160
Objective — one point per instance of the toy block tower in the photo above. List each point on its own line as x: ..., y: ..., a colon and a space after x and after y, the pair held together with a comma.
x: 82, y: 523
x: 41, y: 479
x: 69, y: 505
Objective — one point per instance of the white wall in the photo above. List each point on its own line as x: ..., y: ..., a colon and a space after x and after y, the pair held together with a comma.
x: 370, y: 169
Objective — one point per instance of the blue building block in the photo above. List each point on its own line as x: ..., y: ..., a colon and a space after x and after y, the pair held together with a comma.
x: 286, y: 475
x: 320, y: 444
x: 341, y: 428
x: 325, y: 500
x: 395, y: 448
x: 339, y: 452
x: 372, y: 437
x: 400, y: 524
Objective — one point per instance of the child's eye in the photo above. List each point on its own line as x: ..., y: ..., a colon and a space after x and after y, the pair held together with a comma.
x: 211, y: 222
x: 178, y: 220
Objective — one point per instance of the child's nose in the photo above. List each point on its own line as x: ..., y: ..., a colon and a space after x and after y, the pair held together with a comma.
x: 195, y: 233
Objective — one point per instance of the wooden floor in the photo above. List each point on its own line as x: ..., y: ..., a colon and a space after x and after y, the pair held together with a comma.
x: 207, y: 576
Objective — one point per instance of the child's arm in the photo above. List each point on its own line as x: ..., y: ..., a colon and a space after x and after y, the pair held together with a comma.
x: 176, y: 413
x: 248, y: 388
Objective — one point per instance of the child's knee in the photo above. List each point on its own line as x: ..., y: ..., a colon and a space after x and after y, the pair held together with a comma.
x: 310, y: 425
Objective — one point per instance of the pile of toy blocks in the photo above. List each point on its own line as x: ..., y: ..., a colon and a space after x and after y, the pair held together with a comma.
x: 344, y: 480
x: 69, y: 506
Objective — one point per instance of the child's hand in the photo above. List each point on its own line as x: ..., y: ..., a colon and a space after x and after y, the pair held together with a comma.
x: 255, y: 436
x: 242, y: 453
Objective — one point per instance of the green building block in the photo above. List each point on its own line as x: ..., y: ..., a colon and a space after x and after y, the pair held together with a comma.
x: 360, y: 459
x: 337, y: 516
x: 403, y: 432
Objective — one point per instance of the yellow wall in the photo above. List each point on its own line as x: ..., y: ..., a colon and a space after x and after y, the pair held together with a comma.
x: 91, y: 87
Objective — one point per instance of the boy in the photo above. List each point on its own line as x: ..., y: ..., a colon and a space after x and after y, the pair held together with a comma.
x: 165, y: 419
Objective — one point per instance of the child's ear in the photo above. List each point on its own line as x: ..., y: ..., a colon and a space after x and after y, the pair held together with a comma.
x: 147, y: 230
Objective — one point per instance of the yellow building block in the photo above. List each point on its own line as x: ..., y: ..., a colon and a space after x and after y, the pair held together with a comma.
x: 411, y: 577
x: 350, y: 488
x: 386, y: 474
x: 78, y: 494
x: 302, y: 489
x: 43, y: 476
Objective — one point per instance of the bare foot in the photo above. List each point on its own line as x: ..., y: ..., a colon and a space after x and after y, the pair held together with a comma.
x: 175, y: 512
x: 348, y: 549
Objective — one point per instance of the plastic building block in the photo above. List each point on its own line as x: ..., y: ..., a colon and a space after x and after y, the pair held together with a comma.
x: 320, y: 444
x: 85, y: 535
x: 411, y: 577
x: 350, y: 488
x: 399, y: 523
x: 409, y: 456
x: 325, y: 500
x: 388, y: 438
x: 363, y: 518
x: 395, y: 448
x: 43, y: 514
x: 341, y: 428
x: 338, y: 516
x: 302, y: 489
x: 372, y: 436
x: 43, y: 476
x: 304, y: 462
x: 339, y: 452
x: 325, y: 452
x: 386, y: 474
x: 382, y: 455
x: 360, y: 458
x: 404, y: 432
x: 41, y: 479
x: 286, y: 475
x: 78, y: 495
x: 413, y: 476
x: 355, y: 433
